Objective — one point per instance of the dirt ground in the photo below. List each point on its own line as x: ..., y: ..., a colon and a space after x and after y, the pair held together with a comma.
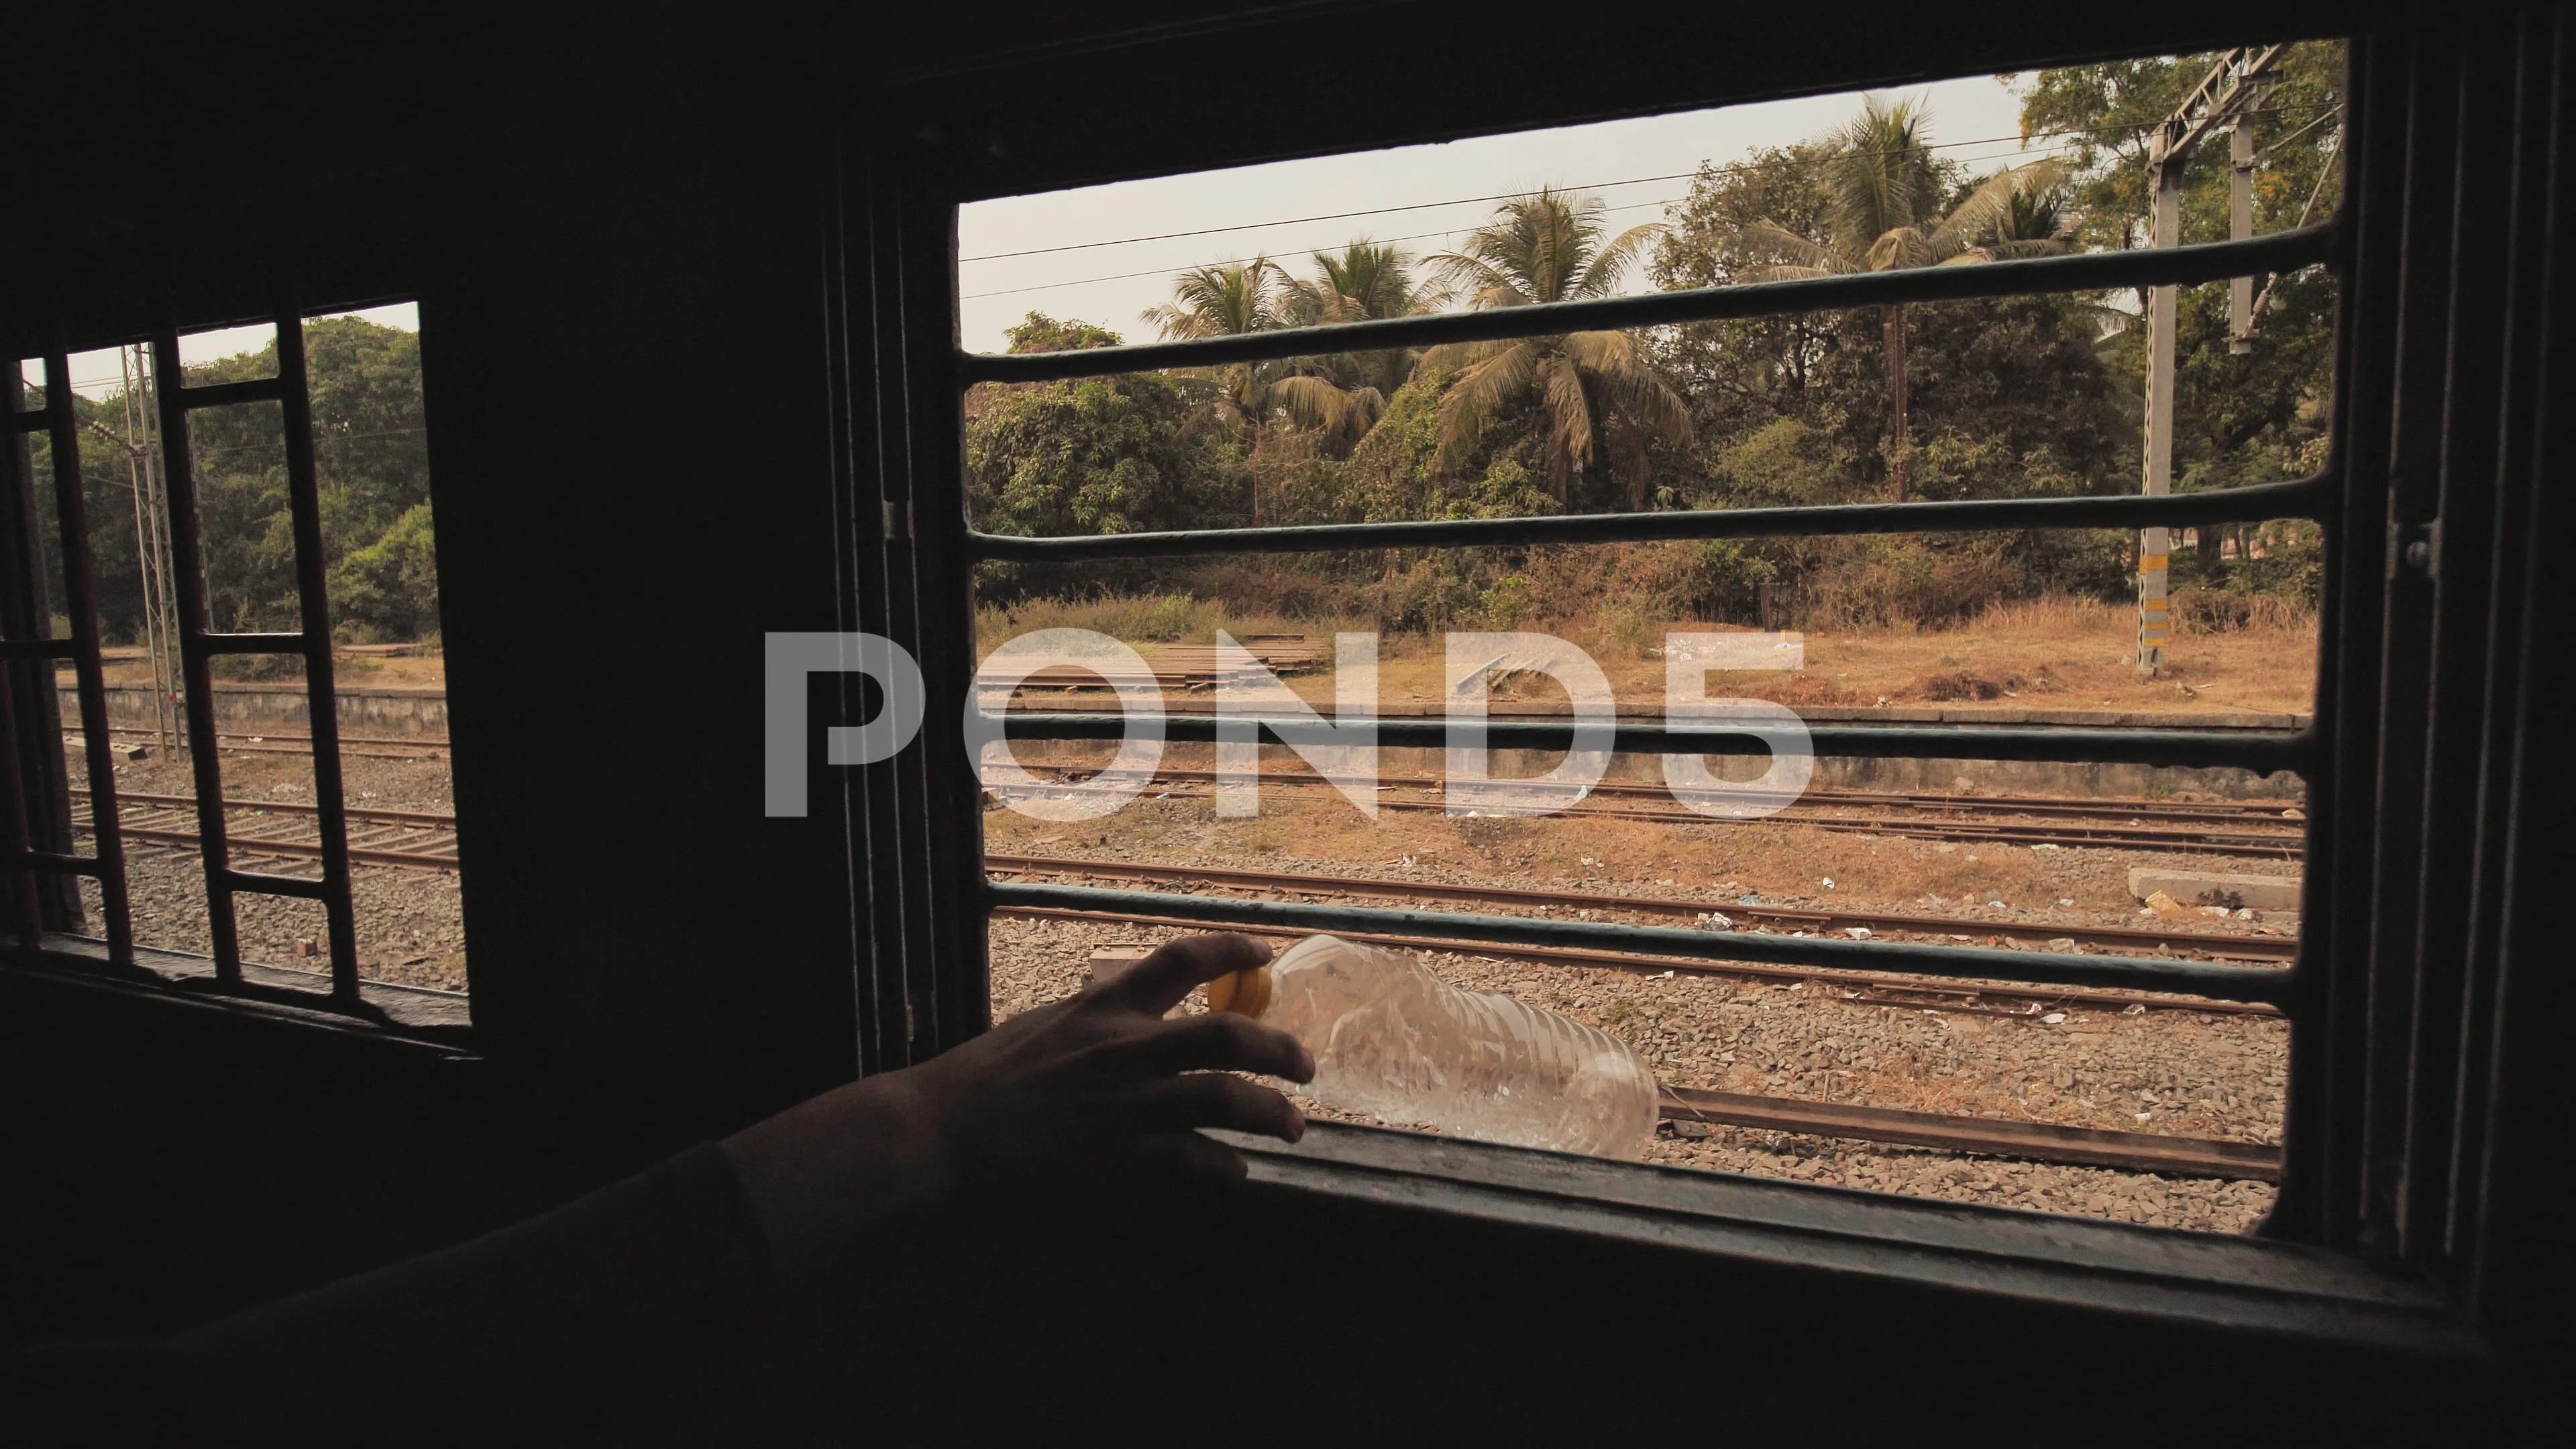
x: 2049, y: 654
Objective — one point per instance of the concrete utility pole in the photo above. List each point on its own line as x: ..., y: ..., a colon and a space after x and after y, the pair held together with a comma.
x: 2231, y: 88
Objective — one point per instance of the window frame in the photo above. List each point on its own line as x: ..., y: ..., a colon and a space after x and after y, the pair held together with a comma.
x: 909, y: 550
x: 412, y: 1018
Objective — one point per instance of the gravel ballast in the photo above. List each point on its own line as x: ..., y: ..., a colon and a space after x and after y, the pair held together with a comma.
x: 411, y: 923
x: 2184, y: 1073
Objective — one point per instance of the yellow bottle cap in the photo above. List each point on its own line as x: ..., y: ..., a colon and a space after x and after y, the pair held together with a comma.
x: 1245, y: 993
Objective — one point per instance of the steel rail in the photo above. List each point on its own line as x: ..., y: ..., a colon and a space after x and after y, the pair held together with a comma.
x: 147, y: 807
x: 1828, y: 796
x: 2278, y: 949
x: 425, y: 743
x: 431, y: 818
x: 1096, y: 697
x: 2286, y: 251
x: 249, y: 744
x: 2266, y: 846
x: 2038, y: 1141
x: 296, y: 849
x: 2206, y: 840
x: 2263, y: 754
x: 2256, y: 503
x: 1957, y: 996
x: 2233, y: 983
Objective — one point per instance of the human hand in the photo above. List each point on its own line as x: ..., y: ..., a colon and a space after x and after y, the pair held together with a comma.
x: 1098, y: 1081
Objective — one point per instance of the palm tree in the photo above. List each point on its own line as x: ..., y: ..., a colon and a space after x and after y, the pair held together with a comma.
x: 1233, y: 298
x: 1596, y: 389
x: 1361, y: 284
x: 1886, y: 214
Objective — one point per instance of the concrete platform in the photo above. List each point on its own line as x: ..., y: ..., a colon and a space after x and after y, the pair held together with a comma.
x: 2210, y: 888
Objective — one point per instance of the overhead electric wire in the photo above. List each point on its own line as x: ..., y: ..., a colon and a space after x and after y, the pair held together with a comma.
x: 1237, y: 261
x: 1738, y: 166
x: 1415, y: 236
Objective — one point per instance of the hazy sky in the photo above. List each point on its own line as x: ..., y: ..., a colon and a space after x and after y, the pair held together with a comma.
x: 1976, y: 120
x: 95, y: 374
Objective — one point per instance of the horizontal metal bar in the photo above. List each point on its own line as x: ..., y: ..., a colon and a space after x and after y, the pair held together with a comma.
x: 2091, y: 272
x: 259, y: 883
x: 2039, y: 1141
x: 2200, y: 749
x: 26, y: 422
x: 2198, y: 978
x: 271, y: 643
x: 1650, y: 965
x: 2298, y: 498
x: 53, y: 862
x: 225, y: 394
x: 39, y: 649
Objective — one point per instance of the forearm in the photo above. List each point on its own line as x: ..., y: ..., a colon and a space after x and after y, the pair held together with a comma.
x: 665, y: 1274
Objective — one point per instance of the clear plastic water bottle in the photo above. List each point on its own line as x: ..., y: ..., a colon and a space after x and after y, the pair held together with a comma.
x: 1395, y: 1042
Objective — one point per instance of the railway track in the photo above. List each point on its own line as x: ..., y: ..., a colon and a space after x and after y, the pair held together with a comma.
x: 2282, y: 811
x: 2038, y: 1141
x: 2211, y: 829
x: 2275, y: 950
x: 427, y: 840
x: 1866, y: 988
x: 287, y: 831
x: 363, y: 747
x: 284, y: 830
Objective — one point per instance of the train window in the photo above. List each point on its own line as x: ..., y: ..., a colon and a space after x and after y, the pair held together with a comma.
x: 226, y: 682
x: 1821, y: 389
x: 1354, y: 545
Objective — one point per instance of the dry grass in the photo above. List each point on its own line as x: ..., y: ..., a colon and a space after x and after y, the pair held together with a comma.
x: 354, y: 671
x: 1141, y: 619
x: 2052, y: 653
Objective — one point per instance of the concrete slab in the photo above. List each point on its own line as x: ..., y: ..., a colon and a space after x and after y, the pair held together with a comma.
x: 2211, y: 888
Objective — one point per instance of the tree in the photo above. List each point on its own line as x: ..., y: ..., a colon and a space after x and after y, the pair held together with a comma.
x: 1741, y: 375
x: 389, y: 589
x: 2238, y: 417
x: 1364, y: 282
x: 1236, y: 298
x: 1085, y: 455
x: 1038, y: 332
x: 1887, y: 212
x: 371, y: 468
x: 1595, y: 390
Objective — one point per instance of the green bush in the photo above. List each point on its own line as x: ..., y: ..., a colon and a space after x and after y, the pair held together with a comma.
x: 388, y: 590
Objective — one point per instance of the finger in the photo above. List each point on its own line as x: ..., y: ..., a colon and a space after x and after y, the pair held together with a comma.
x: 1187, y: 1154
x: 1216, y: 1042
x: 1213, y: 1099
x: 1156, y: 984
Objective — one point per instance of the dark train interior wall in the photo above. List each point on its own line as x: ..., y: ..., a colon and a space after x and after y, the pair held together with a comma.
x: 617, y: 231
x: 618, y: 250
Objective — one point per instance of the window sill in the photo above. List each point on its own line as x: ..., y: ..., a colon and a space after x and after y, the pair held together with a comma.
x: 417, y: 1019
x: 2190, y: 1280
